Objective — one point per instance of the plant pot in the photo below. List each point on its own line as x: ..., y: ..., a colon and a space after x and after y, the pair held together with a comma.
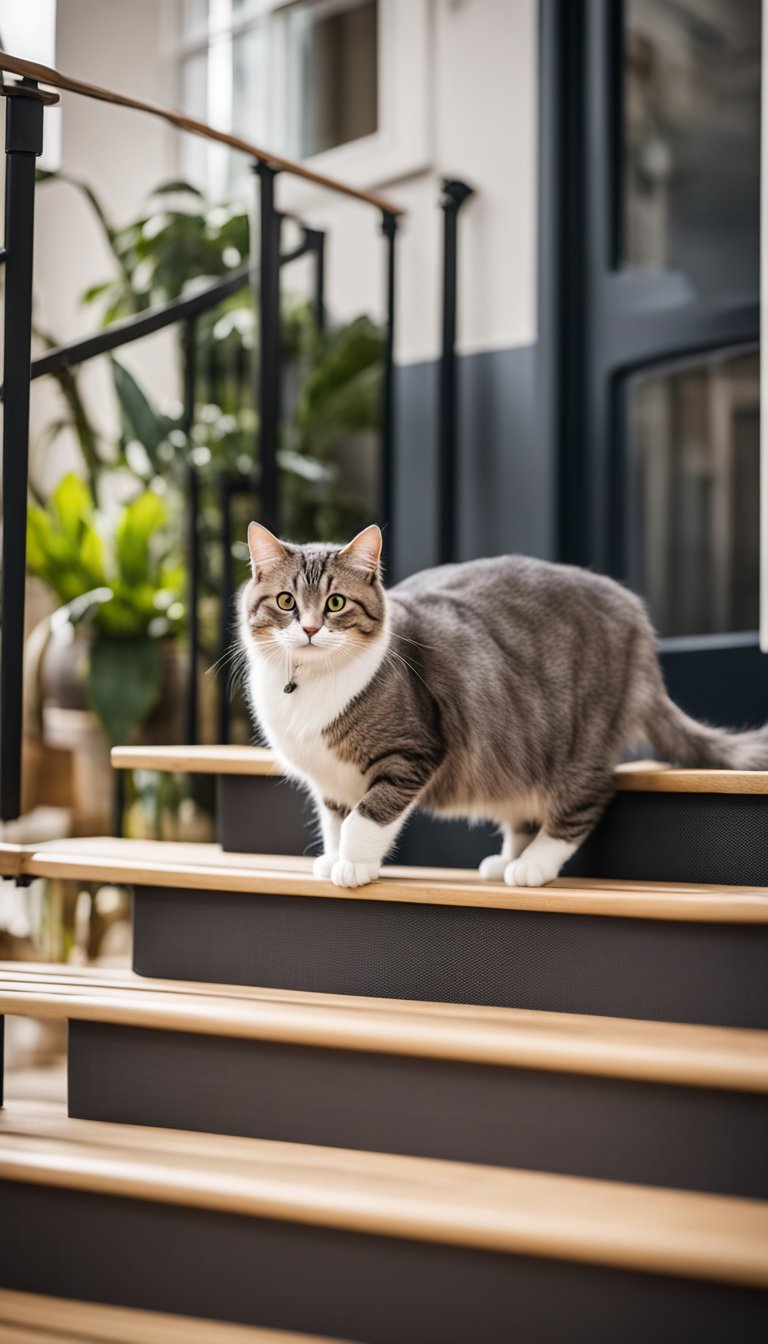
x: 70, y: 724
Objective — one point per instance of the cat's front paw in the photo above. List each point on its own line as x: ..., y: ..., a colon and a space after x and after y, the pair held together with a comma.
x: 323, y: 865
x: 528, y: 873
x: 493, y: 868
x: 344, y: 873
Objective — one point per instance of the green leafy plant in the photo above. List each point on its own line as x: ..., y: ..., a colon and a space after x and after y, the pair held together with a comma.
x: 122, y: 579
x: 330, y: 414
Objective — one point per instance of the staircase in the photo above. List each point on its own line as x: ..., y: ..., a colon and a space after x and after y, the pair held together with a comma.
x: 432, y: 1109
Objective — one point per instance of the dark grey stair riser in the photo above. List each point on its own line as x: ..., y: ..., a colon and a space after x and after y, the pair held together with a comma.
x: 358, y: 1287
x: 611, y: 1129
x: 644, y: 837
x: 662, y: 970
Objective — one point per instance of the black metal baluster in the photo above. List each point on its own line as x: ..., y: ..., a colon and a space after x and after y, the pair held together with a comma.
x: 454, y: 196
x: 315, y: 239
x: 24, y: 142
x: 225, y: 607
x: 189, y: 355
x: 387, y: 468
x: 267, y: 284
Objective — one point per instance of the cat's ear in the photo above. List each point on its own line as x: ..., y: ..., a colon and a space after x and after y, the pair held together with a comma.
x: 265, y: 548
x: 364, y: 550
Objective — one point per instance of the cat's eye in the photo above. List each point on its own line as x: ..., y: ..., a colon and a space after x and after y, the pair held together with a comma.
x: 286, y: 601
x: 336, y: 602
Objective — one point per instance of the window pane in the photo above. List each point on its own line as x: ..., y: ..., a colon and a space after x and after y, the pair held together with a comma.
x: 194, y: 100
x: 694, y: 495
x: 249, y: 74
x: 194, y: 16
x: 692, y: 140
x: 334, y: 72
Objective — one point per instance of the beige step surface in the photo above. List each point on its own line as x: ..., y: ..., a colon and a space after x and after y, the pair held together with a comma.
x: 31, y: 1318
x: 528, y: 1213
x: 717, y: 1057
x: 166, y: 863
x: 637, y: 776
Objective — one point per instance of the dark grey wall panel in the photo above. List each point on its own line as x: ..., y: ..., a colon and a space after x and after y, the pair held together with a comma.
x: 660, y: 969
x: 356, y: 1287
x: 258, y: 815
x: 609, y: 1128
x: 679, y: 837
x: 506, y: 486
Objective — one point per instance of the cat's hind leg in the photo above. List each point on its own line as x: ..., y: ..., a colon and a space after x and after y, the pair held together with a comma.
x: 569, y: 815
x: 516, y: 838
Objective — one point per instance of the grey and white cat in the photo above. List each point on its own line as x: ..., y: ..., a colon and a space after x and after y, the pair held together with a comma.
x: 502, y: 690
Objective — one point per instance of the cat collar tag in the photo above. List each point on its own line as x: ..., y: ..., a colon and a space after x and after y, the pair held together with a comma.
x: 289, y: 686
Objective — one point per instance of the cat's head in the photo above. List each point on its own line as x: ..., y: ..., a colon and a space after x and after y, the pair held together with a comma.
x: 318, y: 604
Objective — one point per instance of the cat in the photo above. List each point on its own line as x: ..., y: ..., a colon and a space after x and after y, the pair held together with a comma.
x: 503, y: 690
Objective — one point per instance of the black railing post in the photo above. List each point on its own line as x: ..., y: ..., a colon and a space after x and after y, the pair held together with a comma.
x: 389, y: 229
x: 316, y: 240
x: 225, y: 608
x: 23, y: 143
x: 453, y: 197
x: 189, y: 356
x: 267, y: 283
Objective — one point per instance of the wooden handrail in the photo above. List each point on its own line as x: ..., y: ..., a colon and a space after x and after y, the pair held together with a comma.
x: 45, y: 74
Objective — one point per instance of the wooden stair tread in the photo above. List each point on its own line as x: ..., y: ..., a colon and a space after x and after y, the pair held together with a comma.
x: 32, y: 1318
x: 704, y: 1056
x: 166, y: 863
x: 530, y: 1213
x: 198, y: 760
x: 634, y: 776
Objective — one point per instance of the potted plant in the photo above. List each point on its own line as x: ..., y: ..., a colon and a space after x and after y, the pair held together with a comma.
x: 108, y: 660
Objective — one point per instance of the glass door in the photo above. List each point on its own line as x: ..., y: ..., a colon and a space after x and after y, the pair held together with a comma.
x: 660, y: 371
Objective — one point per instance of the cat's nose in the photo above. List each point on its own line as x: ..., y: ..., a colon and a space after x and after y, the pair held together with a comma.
x: 310, y: 630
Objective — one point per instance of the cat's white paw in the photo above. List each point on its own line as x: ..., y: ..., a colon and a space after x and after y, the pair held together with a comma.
x: 493, y: 868
x: 344, y: 873
x: 528, y: 873
x: 323, y: 865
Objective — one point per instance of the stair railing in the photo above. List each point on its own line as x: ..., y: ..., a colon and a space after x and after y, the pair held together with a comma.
x: 24, y: 143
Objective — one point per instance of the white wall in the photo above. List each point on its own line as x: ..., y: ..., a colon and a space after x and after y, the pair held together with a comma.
x: 481, y: 80
x: 122, y: 154
x: 482, y: 86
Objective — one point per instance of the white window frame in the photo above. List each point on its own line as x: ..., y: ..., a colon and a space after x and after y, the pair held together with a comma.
x: 399, y: 147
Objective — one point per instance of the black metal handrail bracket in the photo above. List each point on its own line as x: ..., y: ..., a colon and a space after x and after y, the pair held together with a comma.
x: 23, y: 145
x: 454, y: 195
x: 387, y: 487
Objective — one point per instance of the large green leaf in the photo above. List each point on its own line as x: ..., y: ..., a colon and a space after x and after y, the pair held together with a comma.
x: 177, y: 188
x: 139, y: 521
x: 71, y: 506
x: 138, y: 417
x: 124, y: 684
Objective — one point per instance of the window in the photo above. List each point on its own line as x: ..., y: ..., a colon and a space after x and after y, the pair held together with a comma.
x: 694, y: 497
x: 340, y: 82
x: 692, y: 140
x: 333, y: 75
x: 29, y: 31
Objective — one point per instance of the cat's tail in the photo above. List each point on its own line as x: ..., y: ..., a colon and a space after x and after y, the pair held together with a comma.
x: 684, y: 741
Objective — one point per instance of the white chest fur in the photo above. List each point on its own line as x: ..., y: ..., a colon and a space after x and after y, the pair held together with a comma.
x: 294, y: 723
